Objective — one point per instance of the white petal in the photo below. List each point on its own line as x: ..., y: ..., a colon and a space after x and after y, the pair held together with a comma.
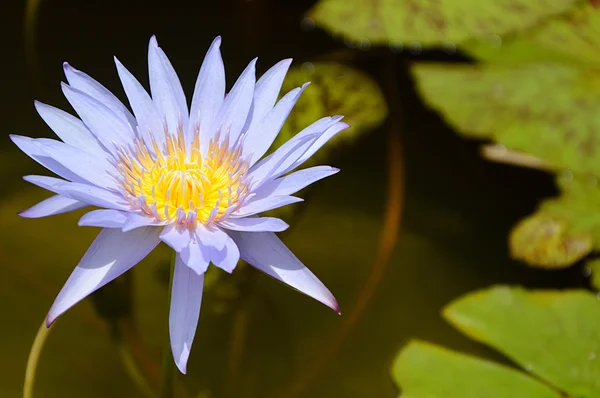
x: 111, y: 254
x: 265, y: 251
x: 146, y: 113
x: 267, y: 89
x: 234, y: 112
x: 166, y: 89
x: 103, y: 218
x: 209, y: 93
x: 186, y: 298
x: 84, y: 83
x: 262, y: 133
x: 264, y: 204
x: 196, y: 256
x: 109, y: 128
x: 255, y: 224
x: 69, y: 129
x: 56, y: 204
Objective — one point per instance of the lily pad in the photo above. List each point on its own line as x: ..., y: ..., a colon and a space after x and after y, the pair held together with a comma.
x: 431, y: 22
x: 547, y: 110
x: 553, y: 335
x: 573, y: 37
x: 594, y: 269
x: 425, y: 370
x: 335, y: 89
x: 564, y: 229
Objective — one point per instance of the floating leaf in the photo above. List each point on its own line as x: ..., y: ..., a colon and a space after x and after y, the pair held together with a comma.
x: 594, y: 269
x: 573, y: 37
x: 431, y: 22
x: 547, y: 110
x: 564, y: 229
x: 335, y: 89
x: 554, y: 335
x: 425, y: 370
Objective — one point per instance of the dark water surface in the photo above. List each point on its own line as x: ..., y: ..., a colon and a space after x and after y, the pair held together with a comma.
x: 458, y: 209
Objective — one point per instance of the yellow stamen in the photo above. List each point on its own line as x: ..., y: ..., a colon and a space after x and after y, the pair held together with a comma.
x: 184, y: 187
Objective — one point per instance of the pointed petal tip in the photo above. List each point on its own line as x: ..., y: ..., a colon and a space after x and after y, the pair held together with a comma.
x: 153, y: 41
x: 49, y: 320
x: 182, y: 367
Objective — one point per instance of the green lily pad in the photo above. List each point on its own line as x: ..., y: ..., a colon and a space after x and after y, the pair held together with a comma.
x: 547, y: 110
x: 424, y: 370
x: 431, y: 23
x: 594, y: 269
x: 553, y: 335
x: 335, y: 89
x: 564, y: 229
x: 573, y: 37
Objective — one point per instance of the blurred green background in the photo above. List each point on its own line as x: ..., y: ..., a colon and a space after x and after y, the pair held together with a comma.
x: 257, y: 338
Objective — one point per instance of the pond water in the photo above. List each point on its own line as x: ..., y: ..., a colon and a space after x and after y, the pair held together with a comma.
x: 256, y: 337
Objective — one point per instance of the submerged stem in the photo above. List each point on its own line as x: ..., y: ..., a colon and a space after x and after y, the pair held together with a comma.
x: 167, y: 365
x: 34, y: 357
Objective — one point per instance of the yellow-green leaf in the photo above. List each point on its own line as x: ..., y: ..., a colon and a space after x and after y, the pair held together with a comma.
x: 573, y: 38
x: 424, y: 370
x: 431, y: 22
x: 547, y: 110
x: 594, y: 269
x: 553, y: 334
x: 335, y: 89
x: 564, y: 229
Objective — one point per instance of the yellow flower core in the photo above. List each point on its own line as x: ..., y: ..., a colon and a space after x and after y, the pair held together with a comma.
x: 181, y: 187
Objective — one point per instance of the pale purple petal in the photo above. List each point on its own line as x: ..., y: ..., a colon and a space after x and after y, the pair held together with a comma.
x: 265, y: 251
x: 69, y: 129
x: 186, y: 298
x: 196, y: 255
x: 56, y: 204
x: 89, y: 167
x: 176, y: 236
x: 92, y: 195
x: 34, y: 148
x: 103, y: 218
x: 264, y: 204
x: 84, y: 83
x: 234, y: 111
x: 292, y: 183
x: 146, y: 113
x: 108, y: 128
x: 282, y: 158
x: 112, y: 253
x: 166, y: 89
x: 209, y: 93
x: 221, y: 249
x: 322, y: 140
x: 267, y: 89
x: 136, y: 220
x: 255, y: 224
x: 45, y: 182
x: 262, y: 133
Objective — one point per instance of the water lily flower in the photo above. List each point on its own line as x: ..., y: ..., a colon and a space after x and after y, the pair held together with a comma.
x: 194, y: 178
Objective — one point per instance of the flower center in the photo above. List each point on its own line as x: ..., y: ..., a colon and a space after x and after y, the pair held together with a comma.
x: 184, y: 187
